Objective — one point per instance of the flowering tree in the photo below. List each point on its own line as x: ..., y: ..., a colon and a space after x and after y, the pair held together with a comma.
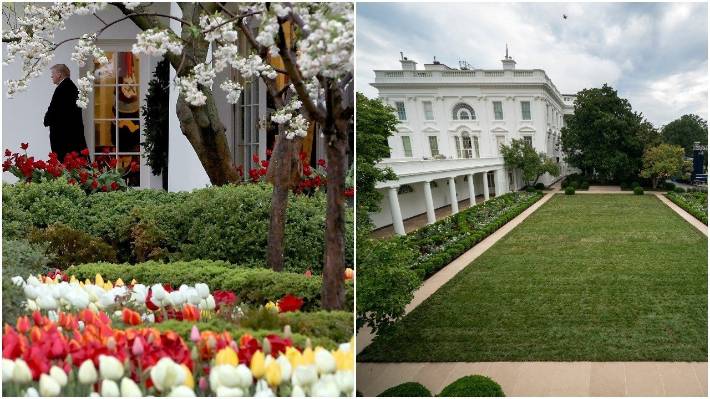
x: 302, y: 52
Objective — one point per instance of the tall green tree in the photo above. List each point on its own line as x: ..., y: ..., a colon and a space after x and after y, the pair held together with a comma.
x: 521, y: 155
x: 686, y: 130
x: 376, y: 122
x: 604, y: 136
x: 664, y: 161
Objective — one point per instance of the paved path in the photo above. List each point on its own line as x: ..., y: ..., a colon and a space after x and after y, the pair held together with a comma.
x: 547, y: 378
x: 433, y: 283
x: 685, y: 215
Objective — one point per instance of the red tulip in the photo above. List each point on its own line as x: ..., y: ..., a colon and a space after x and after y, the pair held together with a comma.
x: 24, y: 146
x: 290, y: 303
x: 23, y: 324
x: 190, y: 312
x: 131, y: 317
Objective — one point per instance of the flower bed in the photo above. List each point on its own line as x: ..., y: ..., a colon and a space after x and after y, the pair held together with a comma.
x: 253, y: 285
x: 221, y: 223
x: 440, y: 243
x: 695, y: 203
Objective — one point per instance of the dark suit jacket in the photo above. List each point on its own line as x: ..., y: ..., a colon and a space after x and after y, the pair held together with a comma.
x: 66, y: 127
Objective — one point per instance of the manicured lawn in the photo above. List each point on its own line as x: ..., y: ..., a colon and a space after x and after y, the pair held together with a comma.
x: 586, y: 277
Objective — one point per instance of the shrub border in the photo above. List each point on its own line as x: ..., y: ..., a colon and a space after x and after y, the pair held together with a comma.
x: 679, y: 200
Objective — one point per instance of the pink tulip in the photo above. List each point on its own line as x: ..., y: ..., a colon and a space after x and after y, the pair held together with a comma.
x: 194, y: 334
x: 137, y: 347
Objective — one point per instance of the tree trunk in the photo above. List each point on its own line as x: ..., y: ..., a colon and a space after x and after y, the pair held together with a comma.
x: 283, y: 172
x: 206, y: 133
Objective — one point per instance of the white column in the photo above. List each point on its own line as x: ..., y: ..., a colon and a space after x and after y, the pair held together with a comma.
x: 471, y: 190
x: 452, y: 195
x: 397, y: 221
x: 499, y: 182
x: 486, y: 191
x: 430, y: 215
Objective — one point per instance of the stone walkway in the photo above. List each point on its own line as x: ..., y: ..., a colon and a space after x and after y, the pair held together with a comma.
x: 547, y: 378
x: 537, y: 378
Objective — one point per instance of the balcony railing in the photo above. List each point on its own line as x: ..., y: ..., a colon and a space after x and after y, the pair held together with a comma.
x: 411, y: 170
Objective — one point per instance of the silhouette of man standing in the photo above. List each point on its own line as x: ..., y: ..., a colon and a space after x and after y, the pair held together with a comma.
x: 66, y: 127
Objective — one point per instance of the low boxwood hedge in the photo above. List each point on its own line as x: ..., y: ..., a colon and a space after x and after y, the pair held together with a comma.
x: 19, y: 258
x: 695, y: 203
x: 252, y: 285
x: 410, y: 389
x: 471, y: 386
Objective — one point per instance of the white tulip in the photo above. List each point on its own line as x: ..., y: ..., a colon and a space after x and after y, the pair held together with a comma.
x: 106, y: 301
x: 182, y: 392
x: 129, y: 388
x: 92, y: 307
x: 297, y: 392
x: 214, y: 378
x: 176, y: 298
x: 228, y: 376
x: 344, y: 347
x: 158, y: 292
x: 325, y: 387
x: 345, y: 381
x: 263, y: 390
x: 21, y: 373
x: 224, y: 392
x: 87, y: 372
x: 324, y: 361
x: 110, y: 367
x: 285, y: 366
x: 78, y: 299
x: 32, y: 393
x: 244, y: 376
x: 8, y: 366
x: 18, y: 281
x: 30, y: 291
x: 110, y: 389
x: 166, y: 374
x: 304, y: 375
x: 48, y: 386
x: 94, y: 395
x: 193, y: 298
x: 55, y: 290
x: 31, y: 305
x: 47, y: 302
x: 211, y: 303
x: 202, y: 305
x: 202, y: 290
x: 59, y: 375
x: 53, y: 316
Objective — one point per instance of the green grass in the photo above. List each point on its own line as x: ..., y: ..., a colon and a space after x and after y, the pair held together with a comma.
x: 585, y: 277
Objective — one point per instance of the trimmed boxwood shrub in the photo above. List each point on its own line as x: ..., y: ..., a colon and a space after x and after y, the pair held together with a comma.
x: 19, y: 258
x: 569, y: 190
x: 471, y: 386
x: 66, y: 246
x: 252, y: 285
x: 668, y: 186
x: 530, y: 189
x: 638, y: 190
x: 540, y: 186
x: 335, y: 325
x: 584, y: 185
x: 412, y: 389
x: 635, y: 184
x: 695, y: 203
x: 679, y: 190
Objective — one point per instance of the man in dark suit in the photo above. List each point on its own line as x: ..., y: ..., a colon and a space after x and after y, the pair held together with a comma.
x: 66, y: 127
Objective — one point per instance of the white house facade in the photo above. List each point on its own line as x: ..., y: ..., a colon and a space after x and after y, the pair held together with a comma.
x: 113, y: 119
x: 452, y: 123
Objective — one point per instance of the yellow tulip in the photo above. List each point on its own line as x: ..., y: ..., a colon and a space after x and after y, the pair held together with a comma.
x: 343, y: 360
x: 189, y: 379
x: 257, y: 364
x: 99, y: 280
x: 273, y: 374
x: 227, y: 355
x: 294, y: 356
x: 272, y: 306
x: 119, y: 283
x: 308, y: 357
x: 108, y: 286
x: 73, y: 280
x: 134, y: 282
x: 88, y: 282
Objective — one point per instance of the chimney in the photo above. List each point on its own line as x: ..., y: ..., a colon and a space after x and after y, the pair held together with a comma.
x: 407, y: 64
x: 508, y: 62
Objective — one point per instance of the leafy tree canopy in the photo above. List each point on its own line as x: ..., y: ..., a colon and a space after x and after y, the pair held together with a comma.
x: 686, y: 130
x: 520, y: 155
x: 604, y: 136
x: 662, y: 162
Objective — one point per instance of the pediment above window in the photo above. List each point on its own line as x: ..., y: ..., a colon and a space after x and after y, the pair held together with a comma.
x: 468, y: 126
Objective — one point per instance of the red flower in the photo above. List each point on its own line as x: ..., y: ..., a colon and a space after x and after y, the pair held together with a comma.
x: 278, y: 344
x: 302, y: 156
x: 135, y: 167
x: 265, y: 164
x: 224, y: 298
x: 23, y: 324
x: 24, y: 146
x: 349, y: 192
x: 71, y: 181
x: 131, y: 317
x: 85, y: 152
x: 190, y: 312
x: 321, y: 162
x: 307, y: 170
x: 94, y: 184
x: 83, y: 176
x: 8, y: 152
x: 104, y: 188
x: 309, y: 273
x: 255, y: 158
x: 290, y: 303
x: 114, y: 186
x: 269, y: 151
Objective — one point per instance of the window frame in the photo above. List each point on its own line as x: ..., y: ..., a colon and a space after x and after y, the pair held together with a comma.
x: 400, y: 112
x: 428, y: 113
x: 407, y: 139
x: 495, y: 112
x: 527, y: 137
x: 461, y: 106
x: 522, y: 111
x: 434, y: 147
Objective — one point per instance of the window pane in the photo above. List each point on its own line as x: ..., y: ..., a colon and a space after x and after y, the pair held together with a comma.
x: 407, y: 145
x: 458, y: 146
x: 428, y: 111
x: 128, y: 68
x: 104, y: 102
x: 105, y: 136
x: 526, y: 110
x: 498, y: 110
x: 129, y: 135
x: 105, y: 74
x: 528, y: 140
x: 133, y: 179
x: 434, y: 145
x: 401, y: 112
x: 475, y: 146
x: 128, y: 102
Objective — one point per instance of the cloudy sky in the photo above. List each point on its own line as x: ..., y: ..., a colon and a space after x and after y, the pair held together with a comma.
x: 654, y: 54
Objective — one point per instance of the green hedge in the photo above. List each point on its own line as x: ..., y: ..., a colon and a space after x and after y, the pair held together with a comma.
x: 19, y: 258
x: 472, y: 386
x: 695, y: 203
x: 408, y: 389
x: 256, y: 286
x: 227, y: 223
x: 440, y: 243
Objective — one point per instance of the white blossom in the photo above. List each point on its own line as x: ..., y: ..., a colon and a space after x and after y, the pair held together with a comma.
x: 85, y: 86
x: 157, y: 42
x: 86, y: 47
x: 187, y: 86
x: 131, y: 4
x: 327, y: 47
x: 204, y: 74
x: 233, y: 90
x: 216, y: 27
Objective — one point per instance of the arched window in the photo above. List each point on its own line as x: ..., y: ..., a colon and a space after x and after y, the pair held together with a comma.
x: 463, y: 111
